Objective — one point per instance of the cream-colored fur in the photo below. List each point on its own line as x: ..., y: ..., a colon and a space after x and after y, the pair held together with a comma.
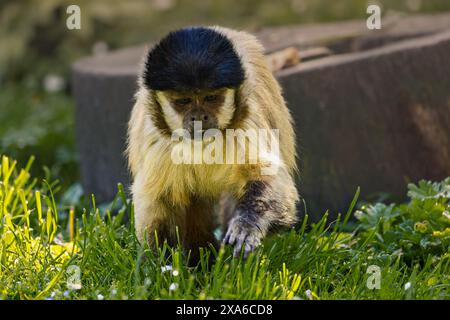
x: 162, y: 190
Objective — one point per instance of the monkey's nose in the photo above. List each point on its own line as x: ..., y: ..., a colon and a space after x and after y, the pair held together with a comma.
x: 199, y: 117
x: 204, y: 118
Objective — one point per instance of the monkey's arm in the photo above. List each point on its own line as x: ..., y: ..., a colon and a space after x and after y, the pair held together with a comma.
x: 264, y: 204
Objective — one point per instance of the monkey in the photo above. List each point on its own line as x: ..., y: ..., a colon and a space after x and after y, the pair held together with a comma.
x: 217, y: 77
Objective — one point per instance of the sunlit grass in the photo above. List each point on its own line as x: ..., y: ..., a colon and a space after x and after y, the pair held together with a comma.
x: 94, y: 254
x: 30, y: 256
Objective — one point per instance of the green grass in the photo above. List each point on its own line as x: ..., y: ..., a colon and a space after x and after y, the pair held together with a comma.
x: 41, y: 253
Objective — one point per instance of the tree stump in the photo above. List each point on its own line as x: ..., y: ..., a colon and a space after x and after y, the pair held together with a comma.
x: 375, y: 115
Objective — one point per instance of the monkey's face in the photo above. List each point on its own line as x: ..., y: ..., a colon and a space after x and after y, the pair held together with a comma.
x: 213, y: 108
x: 191, y: 74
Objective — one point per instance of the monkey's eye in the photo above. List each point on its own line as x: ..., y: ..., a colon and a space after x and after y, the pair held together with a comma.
x: 210, y: 98
x: 183, y: 101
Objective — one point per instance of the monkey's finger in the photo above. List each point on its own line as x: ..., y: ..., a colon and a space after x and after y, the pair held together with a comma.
x: 233, y: 237
x: 240, y: 240
x: 237, y: 250
x: 226, y: 238
x: 251, y: 243
x: 248, y: 248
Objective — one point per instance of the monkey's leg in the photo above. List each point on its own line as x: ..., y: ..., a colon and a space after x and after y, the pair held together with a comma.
x: 155, y: 218
x: 264, y: 204
x: 199, y: 228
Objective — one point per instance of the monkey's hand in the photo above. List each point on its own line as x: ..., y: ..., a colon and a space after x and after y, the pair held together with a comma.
x: 244, y: 231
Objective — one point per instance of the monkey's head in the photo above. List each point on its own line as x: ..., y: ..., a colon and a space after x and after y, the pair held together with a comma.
x: 193, y: 75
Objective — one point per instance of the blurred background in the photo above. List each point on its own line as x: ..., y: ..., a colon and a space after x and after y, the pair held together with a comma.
x: 37, y: 50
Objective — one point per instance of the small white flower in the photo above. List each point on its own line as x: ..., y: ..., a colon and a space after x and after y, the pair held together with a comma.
x: 309, y: 294
x: 173, y: 286
x: 100, y: 297
x: 175, y: 273
x: 446, y: 214
x: 113, y: 292
x: 407, y: 285
x: 166, y: 268
x: 358, y: 214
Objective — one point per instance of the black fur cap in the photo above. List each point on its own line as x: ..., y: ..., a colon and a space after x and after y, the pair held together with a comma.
x: 193, y: 58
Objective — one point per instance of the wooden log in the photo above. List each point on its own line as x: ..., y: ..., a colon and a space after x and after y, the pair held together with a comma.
x: 377, y: 119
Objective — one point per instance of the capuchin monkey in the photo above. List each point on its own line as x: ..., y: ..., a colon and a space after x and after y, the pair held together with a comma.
x: 218, y: 78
